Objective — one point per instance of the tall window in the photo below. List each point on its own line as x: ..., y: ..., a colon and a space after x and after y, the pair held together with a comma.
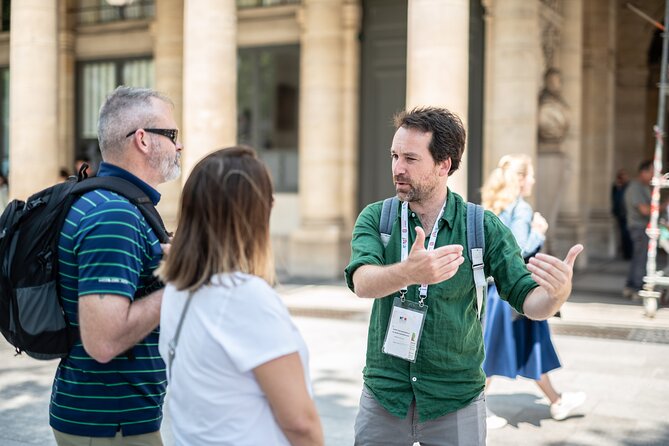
x: 259, y: 3
x: 6, y: 13
x: 267, y: 106
x: 100, y: 11
x: 96, y: 81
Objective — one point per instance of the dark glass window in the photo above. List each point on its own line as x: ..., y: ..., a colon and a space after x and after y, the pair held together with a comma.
x: 100, y: 11
x: 267, y: 107
x: 259, y: 3
x: 95, y: 81
x: 6, y: 13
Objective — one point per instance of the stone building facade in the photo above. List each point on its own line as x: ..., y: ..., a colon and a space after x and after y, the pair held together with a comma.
x: 313, y: 84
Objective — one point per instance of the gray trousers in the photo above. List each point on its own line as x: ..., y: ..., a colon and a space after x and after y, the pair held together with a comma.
x: 639, y: 257
x: 374, y: 426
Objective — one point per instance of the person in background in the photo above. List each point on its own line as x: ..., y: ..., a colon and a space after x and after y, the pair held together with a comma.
x: 515, y: 345
x: 237, y: 365
x: 637, y: 206
x: 620, y: 213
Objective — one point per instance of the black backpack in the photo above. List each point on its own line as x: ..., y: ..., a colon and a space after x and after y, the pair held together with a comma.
x: 31, y: 315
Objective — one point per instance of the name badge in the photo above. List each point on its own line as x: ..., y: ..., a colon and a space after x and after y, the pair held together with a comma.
x: 404, y: 329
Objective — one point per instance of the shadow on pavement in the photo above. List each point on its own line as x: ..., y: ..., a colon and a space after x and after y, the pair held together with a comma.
x: 336, y: 398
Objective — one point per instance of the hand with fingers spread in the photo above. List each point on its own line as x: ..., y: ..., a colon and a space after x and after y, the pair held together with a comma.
x: 554, y: 278
x: 434, y: 266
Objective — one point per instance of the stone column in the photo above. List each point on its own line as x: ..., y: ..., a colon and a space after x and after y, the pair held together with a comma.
x: 438, y: 63
x: 570, y: 226
x: 33, y: 97
x: 513, y: 67
x: 318, y: 246
x: 633, y: 39
x: 66, y: 87
x: 168, y: 59
x: 350, y: 111
x: 210, y: 78
x: 598, y: 168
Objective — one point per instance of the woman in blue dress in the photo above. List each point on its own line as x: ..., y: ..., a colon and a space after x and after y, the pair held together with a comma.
x: 514, y: 345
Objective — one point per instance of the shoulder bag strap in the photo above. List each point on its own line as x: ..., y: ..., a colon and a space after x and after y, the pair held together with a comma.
x: 172, y: 345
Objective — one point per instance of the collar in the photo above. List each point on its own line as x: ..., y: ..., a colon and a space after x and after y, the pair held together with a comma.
x: 450, y: 210
x: 111, y: 170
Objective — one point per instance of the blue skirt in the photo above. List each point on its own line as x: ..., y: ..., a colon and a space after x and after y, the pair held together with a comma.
x: 520, y: 347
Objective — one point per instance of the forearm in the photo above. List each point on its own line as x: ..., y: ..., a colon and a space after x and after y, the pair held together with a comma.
x: 373, y: 281
x: 143, y: 317
x: 310, y: 433
x: 110, y: 324
x: 282, y: 381
x: 539, y: 305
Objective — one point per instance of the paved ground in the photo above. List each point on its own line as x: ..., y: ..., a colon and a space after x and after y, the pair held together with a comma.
x: 608, y: 349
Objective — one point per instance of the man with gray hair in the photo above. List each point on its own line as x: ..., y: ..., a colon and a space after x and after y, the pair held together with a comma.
x: 111, y: 386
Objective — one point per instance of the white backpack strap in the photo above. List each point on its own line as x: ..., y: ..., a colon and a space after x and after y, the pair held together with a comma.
x: 476, y: 244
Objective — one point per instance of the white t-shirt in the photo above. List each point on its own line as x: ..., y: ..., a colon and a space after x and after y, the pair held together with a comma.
x: 232, y: 326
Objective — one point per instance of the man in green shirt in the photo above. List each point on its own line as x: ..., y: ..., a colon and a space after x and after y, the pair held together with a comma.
x: 423, y: 377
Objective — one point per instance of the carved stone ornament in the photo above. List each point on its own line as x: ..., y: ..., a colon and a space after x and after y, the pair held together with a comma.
x: 550, y: 26
x: 553, y: 113
x: 555, y: 5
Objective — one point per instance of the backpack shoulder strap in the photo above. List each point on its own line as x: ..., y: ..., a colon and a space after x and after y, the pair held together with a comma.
x: 476, y: 244
x: 133, y: 193
x: 388, y: 216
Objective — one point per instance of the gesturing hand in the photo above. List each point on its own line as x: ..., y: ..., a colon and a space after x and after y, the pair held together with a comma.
x: 432, y: 266
x: 554, y: 275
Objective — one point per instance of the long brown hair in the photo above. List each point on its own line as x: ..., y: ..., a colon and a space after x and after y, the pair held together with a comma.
x: 223, y: 221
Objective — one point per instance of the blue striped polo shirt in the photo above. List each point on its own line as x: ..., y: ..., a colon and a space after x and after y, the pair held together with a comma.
x: 107, y: 247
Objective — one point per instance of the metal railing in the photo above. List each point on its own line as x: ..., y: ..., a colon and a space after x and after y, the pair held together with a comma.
x: 653, y: 276
x: 105, y: 13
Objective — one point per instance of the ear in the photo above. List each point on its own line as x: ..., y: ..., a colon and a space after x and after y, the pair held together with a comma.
x: 444, y: 167
x: 140, y: 141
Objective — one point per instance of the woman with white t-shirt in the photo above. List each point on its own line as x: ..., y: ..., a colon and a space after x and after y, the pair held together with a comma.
x: 237, y: 365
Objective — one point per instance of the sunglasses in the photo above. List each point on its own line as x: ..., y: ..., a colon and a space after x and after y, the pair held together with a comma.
x: 170, y: 133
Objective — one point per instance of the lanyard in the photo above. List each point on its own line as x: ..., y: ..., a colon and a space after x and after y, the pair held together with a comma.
x: 405, y: 245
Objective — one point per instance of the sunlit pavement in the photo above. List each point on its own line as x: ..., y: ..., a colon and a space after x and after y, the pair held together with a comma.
x: 607, y: 347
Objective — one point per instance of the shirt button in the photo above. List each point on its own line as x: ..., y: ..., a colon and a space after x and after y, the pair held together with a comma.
x: 414, y: 379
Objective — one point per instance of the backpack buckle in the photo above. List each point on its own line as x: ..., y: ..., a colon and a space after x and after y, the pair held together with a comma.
x: 30, y: 205
x: 45, y: 259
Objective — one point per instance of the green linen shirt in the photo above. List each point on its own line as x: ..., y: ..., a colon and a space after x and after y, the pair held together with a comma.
x: 447, y: 374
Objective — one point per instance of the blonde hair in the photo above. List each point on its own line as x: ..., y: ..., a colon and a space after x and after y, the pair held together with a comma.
x: 223, y: 221
x: 503, y: 186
